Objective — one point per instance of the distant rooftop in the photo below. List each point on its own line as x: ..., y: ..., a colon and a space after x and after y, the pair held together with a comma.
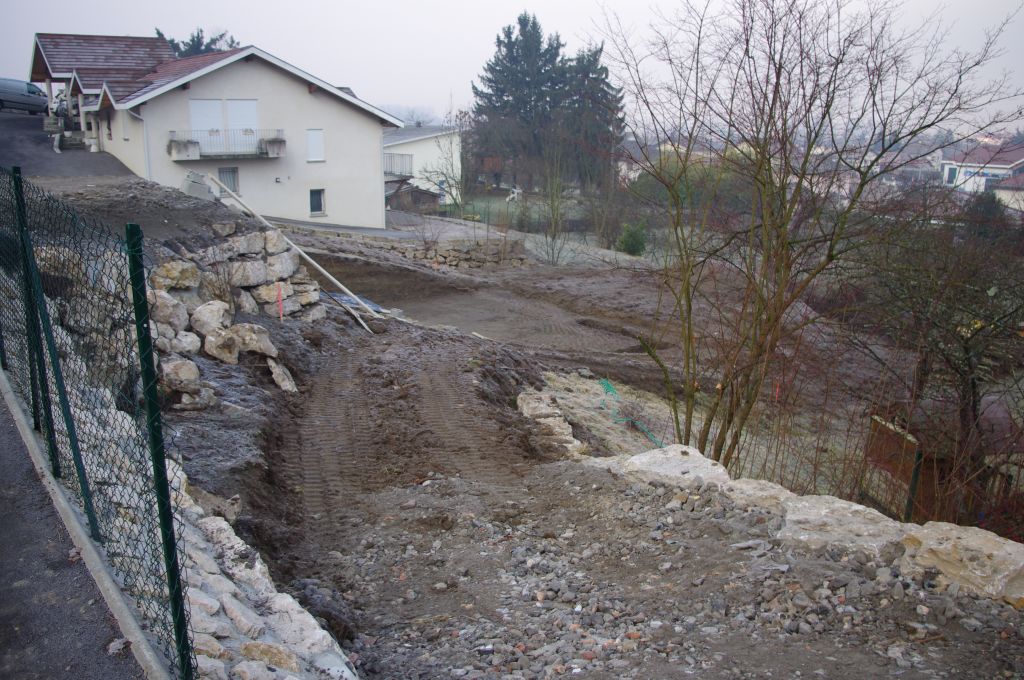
x: 411, y: 133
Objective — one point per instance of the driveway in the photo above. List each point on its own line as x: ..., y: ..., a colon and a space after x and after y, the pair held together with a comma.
x: 23, y: 143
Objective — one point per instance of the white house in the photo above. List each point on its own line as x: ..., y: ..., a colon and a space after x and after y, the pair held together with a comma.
x: 429, y: 156
x: 982, y: 167
x: 290, y: 144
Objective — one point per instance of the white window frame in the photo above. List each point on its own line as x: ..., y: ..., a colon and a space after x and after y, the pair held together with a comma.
x: 238, y: 181
x: 316, y: 142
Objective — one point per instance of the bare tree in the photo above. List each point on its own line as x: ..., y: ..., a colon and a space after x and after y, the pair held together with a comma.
x: 447, y: 175
x: 768, y: 127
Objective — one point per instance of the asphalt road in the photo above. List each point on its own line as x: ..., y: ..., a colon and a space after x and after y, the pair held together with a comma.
x: 23, y: 143
x: 53, y: 622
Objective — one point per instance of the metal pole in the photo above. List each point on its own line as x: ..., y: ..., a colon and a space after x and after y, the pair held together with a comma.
x: 154, y: 428
x: 46, y: 328
x: 38, y: 385
x: 915, y: 478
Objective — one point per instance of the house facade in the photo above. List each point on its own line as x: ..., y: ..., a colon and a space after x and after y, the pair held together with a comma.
x: 428, y: 157
x: 291, y: 145
x: 983, y: 167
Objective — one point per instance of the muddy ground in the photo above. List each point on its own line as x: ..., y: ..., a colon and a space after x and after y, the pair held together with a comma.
x: 405, y: 501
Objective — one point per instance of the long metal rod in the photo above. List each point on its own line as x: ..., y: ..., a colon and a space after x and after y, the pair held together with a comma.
x: 154, y: 427
x: 306, y: 257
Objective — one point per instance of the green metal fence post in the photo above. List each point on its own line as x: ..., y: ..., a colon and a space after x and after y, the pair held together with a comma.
x: 43, y: 324
x: 39, y: 386
x: 154, y: 427
x: 915, y: 478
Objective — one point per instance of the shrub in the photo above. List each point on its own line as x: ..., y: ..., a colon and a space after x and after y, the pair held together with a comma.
x: 633, y: 240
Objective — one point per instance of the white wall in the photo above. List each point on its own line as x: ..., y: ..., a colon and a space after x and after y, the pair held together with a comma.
x: 351, y: 173
x: 434, y: 153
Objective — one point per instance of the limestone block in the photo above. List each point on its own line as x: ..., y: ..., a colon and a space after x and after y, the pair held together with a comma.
x: 269, y: 292
x: 253, y: 338
x: 197, y: 599
x: 275, y: 242
x: 677, y: 465
x: 981, y: 562
x: 204, y: 399
x: 180, y: 375
x: 248, y: 273
x: 247, y: 244
x: 310, y: 298
x: 186, y: 343
x: 214, y: 626
x: 313, y: 313
x: 222, y: 252
x: 245, y: 619
x: 222, y: 345
x: 814, y: 522
x: 282, y: 376
x: 223, y: 228
x: 245, y: 303
x: 289, y: 306
x: 211, y: 316
x: 270, y: 654
x: 210, y: 669
x: 207, y: 645
x: 297, y: 628
x: 240, y: 561
x: 175, y: 274
x: 757, y: 493
x: 253, y: 670
x: 201, y: 560
x: 166, y: 309
x: 282, y: 266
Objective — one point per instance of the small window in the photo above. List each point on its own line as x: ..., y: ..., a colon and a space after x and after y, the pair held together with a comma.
x: 316, y: 202
x: 314, y: 145
x: 229, y: 178
x: 951, y: 176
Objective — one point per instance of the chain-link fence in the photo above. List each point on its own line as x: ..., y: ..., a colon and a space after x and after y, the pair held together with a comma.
x: 73, y: 304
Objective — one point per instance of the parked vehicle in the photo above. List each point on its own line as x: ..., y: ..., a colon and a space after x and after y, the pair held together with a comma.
x: 18, y: 94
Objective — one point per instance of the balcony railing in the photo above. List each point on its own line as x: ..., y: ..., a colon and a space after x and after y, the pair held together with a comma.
x: 188, y: 145
x: 398, y: 164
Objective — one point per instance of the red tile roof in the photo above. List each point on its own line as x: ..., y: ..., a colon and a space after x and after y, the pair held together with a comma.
x: 1014, y: 183
x: 169, y: 71
x: 58, y: 54
x: 1005, y: 156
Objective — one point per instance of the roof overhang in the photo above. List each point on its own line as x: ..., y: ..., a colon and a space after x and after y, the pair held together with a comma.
x: 249, y: 52
x: 431, y: 135
x: 41, y: 70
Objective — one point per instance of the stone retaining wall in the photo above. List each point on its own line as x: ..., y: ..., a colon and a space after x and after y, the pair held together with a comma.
x: 967, y: 559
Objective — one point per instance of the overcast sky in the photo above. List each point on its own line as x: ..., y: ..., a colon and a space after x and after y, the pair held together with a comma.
x: 411, y: 53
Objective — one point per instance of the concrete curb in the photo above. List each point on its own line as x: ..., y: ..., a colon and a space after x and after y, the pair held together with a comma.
x: 152, y: 664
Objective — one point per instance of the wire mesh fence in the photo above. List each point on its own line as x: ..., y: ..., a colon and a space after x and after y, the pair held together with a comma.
x: 73, y: 305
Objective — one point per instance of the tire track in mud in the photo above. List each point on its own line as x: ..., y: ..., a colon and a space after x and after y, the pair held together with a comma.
x: 469, y: 442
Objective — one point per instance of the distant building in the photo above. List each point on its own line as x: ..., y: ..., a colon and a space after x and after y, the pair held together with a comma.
x: 292, y: 145
x: 983, y: 167
x: 422, y: 161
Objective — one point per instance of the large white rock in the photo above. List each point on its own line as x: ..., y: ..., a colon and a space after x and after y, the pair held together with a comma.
x: 757, y: 493
x: 283, y: 265
x: 814, y: 522
x: 981, y: 562
x: 180, y: 375
x: 275, y: 242
x: 269, y: 292
x: 297, y: 628
x: 245, y: 303
x: 253, y: 338
x: 544, y: 410
x: 175, y: 274
x: 247, y: 273
x: 166, y: 309
x: 678, y: 465
x: 247, y: 244
x: 282, y: 376
x: 211, y: 316
x: 186, y: 343
x: 220, y: 344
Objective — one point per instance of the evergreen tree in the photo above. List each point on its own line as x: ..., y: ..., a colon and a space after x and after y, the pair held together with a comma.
x: 532, y: 99
x: 198, y: 43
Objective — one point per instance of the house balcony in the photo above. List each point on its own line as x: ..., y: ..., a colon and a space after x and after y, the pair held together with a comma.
x: 398, y: 165
x: 195, y: 145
